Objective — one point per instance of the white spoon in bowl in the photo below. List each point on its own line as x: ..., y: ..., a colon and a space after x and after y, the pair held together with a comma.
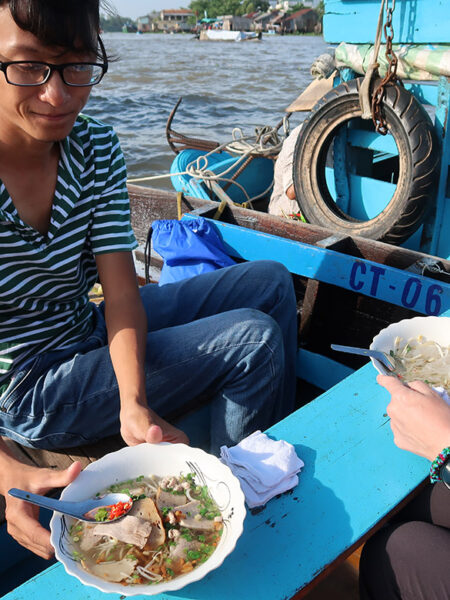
x: 85, y: 510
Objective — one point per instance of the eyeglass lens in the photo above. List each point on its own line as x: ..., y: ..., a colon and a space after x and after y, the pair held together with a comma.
x: 37, y: 73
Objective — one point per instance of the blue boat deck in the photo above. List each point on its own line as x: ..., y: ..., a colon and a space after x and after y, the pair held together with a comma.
x: 354, y: 476
x: 345, y: 490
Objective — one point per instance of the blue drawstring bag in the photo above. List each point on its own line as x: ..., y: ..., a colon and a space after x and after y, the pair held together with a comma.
x: 188, y: 247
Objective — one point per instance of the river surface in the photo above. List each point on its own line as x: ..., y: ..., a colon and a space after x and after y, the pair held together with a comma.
x: 223, y: 85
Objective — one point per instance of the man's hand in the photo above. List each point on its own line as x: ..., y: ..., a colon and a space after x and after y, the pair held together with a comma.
x: 140, y: 424
x: 22, y: 517
x: 420, y: 418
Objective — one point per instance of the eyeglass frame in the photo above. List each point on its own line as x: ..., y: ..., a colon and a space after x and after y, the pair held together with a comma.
x: 59, y: 68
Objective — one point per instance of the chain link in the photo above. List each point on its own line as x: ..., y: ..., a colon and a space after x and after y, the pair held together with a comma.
x: 390, y: 78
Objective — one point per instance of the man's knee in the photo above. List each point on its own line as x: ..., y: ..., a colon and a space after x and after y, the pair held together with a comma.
x: 273, y: 276
x: 259, y: 326
x: 270, y: 269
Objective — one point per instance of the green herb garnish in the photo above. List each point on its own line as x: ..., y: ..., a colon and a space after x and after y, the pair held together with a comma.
x: 101, y: 514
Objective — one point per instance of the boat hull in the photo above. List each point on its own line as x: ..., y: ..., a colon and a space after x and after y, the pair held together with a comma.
x: 256, y: 178
x: 214, y: 35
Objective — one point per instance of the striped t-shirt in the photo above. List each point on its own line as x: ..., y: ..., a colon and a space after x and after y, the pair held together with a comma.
x: 45, y: 279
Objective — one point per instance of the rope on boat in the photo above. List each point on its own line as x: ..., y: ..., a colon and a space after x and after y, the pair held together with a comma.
x: 365, y: 99
x: 266, y: 142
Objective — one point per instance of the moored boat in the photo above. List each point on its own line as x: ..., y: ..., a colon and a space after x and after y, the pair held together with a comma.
x: 220, y: 35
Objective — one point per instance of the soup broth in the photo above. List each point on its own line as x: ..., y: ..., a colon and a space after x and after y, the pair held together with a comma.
x: 172, y: 528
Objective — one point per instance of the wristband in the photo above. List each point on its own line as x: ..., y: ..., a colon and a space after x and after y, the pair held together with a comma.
x: 445, y: 473
x: 438, y: 463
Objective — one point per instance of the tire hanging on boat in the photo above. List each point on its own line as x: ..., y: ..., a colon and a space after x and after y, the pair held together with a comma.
x: 418, y: 163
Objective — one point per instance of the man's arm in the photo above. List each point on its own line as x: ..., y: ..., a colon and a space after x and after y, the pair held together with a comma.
x: 126, y: 324
x: 22, y: 517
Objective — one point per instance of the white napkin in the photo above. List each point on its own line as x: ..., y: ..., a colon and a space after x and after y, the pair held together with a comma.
x: 264, y: 467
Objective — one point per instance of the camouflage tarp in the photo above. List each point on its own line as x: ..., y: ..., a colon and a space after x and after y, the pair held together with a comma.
x: 422, y: 62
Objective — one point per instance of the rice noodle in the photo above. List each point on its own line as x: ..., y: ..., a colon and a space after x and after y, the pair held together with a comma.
x: 158, y: 554
x: 151, y: 485
x: 148, y: 574
x: 424, y: 360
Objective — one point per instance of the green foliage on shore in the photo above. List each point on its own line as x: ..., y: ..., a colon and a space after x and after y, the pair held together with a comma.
x: 114, y: 22
x: 216, y: 8
x: 295, y: 8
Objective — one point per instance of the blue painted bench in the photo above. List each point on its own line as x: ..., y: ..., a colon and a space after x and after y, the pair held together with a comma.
x: 354, y: 476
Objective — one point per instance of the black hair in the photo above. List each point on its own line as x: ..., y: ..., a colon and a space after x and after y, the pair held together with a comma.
x: 70, y: 24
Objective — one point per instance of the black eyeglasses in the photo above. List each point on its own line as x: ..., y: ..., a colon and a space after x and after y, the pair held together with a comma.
x: 26, y: 73
x: 31, y: 72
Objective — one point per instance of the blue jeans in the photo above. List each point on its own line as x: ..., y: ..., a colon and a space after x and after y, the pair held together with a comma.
x: 228, y: 336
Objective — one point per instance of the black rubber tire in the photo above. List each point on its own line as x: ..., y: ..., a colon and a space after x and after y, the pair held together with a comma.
x: 419, y: 158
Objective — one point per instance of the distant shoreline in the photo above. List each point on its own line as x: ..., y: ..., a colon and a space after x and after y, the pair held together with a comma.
x: 192, y: 33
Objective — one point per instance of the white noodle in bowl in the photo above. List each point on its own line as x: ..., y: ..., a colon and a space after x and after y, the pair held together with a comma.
x: 423, y: 346
x: 423, y: 360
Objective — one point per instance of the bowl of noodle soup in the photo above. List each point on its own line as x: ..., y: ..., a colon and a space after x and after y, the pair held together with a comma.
x: 421, y: 345
x: 162, y: 475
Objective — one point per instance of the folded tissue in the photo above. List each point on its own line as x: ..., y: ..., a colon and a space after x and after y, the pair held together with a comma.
x: 264, y: 467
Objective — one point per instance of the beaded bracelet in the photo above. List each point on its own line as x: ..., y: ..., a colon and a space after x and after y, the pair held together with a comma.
x: 437, y: 464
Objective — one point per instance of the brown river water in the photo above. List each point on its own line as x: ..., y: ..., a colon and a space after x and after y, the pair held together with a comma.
x: 223, y: 85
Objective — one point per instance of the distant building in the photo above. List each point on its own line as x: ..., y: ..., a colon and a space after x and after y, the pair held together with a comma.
x: 303, y: 21
x: 276, y: 24
x: 252, y: 15
x: 288, y: 4
x: 175, y: 19
x: 144, y: 24
x: 263, y: 21
x: 232, y: 23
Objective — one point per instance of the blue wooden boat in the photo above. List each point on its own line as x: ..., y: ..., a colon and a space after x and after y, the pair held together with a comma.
x: 253, y: 182
x: 347, y: 176
x: 205, y: 169
x: 348, y: 288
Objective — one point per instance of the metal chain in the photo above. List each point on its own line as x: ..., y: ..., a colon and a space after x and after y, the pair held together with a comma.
x: 390, y: 78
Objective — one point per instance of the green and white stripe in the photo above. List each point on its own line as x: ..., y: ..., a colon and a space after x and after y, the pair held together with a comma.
x: 45, y: 280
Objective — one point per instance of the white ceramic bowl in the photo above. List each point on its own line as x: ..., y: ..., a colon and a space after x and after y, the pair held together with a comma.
x: 436, y: 329
x: 148, y: 459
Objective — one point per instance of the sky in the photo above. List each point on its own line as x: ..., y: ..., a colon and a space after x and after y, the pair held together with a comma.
x: 138, y: 8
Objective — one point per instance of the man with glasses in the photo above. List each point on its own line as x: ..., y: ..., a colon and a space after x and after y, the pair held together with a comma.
x: 71, y: 372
